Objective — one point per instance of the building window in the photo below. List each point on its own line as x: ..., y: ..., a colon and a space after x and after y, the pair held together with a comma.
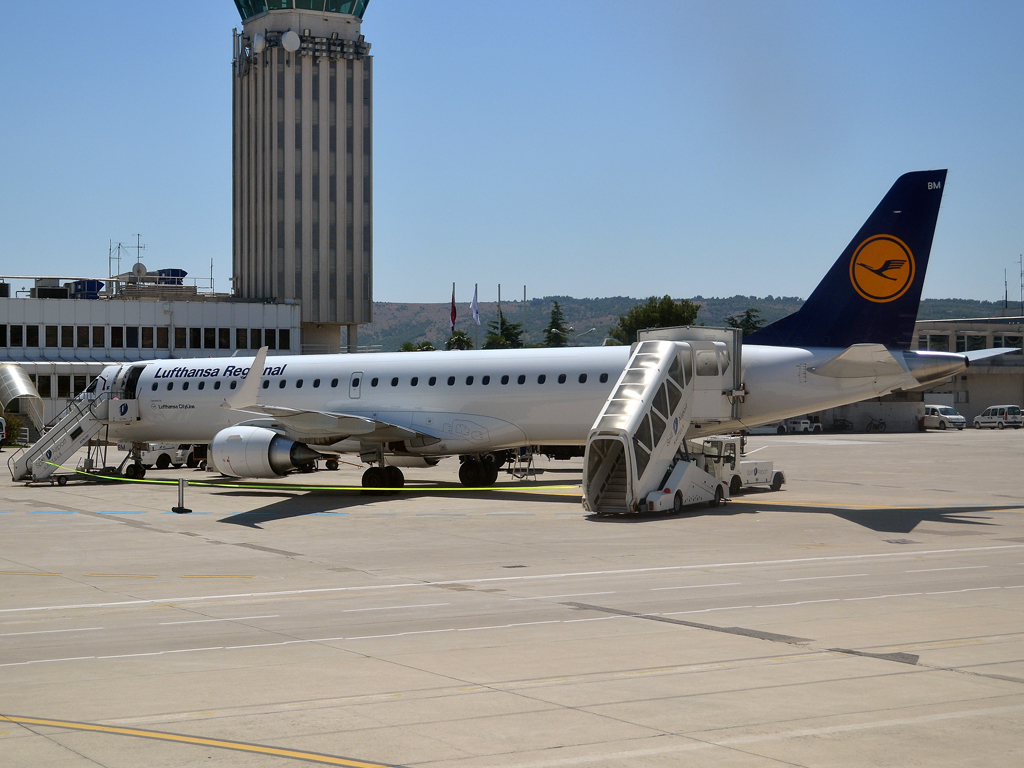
x: 117, y: 336
x: 147, y: 337
x: 284, y: 339
x: 163, y: 337
x: 255, y: 338
x: 51, y: 335
x: 195, y: 338
x: 99, y: 336
x: 209, y: 338
x: 43, y: 386
x: 63, y: 387
x: 83, y: 336
x: 67, y: 335
x: 961, y: 343
x: 3, y: 335
x: 79, y: 385
x: 131, y: 337
x: 16, y: 336
x: 938, y: 343
x: 180, y: 338
x: 224, y: 338
x: 270, y: 338
x: 922, y: 341
x: 975, y: 343
x: 241, y: 338
x: 31, y: 335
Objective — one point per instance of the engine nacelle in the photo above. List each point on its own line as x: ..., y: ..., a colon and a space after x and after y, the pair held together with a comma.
x: 257, y: 452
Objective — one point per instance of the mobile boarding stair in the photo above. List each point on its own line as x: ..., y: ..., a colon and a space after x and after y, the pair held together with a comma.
x: 636, y: 459
x: 80, y: 422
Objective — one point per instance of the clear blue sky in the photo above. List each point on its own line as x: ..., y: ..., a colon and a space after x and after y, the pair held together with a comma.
x: 584, y: 148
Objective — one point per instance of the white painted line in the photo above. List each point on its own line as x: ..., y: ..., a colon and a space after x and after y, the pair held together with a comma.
x: 394, y: 607
x: 881, y: 597
x: 552, y: 597
x: 815, y: 578
x: 802, y: 602
x: 45, y: 661
x: 50, y: 632
x: 578, y: 574
x: 697, y: 586
x: 599, y: 618
x: 508, y: 626
x: 398, y: 634
x: 953, y: 591
x: 1015, y: 586
x: 961, y: 568
x: 207, y: 621
x: 706, y: 610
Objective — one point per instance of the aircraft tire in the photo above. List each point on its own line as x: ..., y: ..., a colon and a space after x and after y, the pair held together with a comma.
x: 331, y: 464
x: 490, y: 469
x: 374, y: 478
x: 130, y: 472
x: 394, y: 477
x: 471, y: 473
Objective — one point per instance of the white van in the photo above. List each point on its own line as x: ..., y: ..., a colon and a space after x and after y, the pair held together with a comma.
x: 942, y: 417
x: 999, y: 417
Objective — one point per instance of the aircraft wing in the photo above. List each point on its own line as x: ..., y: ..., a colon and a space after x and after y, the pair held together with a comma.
x: 860, y: 361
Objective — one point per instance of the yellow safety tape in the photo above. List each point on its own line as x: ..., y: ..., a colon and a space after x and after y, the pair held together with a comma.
x: 237, y: 746
x: 285, y: 487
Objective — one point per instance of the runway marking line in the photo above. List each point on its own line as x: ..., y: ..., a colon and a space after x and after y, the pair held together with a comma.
x: 205, y: 576
x: 26, y: 573
x: 122, y: 575
x: 236, y: 746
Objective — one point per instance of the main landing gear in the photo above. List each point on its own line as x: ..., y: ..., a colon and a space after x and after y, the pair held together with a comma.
x: 479, y: 471
x: 383, y: 477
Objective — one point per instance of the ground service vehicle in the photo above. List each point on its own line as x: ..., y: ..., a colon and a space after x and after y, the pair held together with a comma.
x: 724, y: 458
x: 999, y: 417
x: 942, y: 417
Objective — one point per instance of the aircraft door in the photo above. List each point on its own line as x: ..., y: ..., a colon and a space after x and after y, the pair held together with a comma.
x: 131, y: 382
x: 355, y: 383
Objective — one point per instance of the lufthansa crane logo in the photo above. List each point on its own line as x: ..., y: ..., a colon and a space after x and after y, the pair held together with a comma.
x: 882, y: 268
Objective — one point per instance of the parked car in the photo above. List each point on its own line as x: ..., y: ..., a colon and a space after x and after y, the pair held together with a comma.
x: 163, y: 456
x: 1000, y: 417
x: 942, y: 417
x: 799, y: 425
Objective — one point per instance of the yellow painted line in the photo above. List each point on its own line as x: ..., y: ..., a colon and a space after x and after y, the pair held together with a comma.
x: 826, y: 505
x: 237, y: 746
x: 123, y: 575
x: 218, y: 577
x: 26, y: 573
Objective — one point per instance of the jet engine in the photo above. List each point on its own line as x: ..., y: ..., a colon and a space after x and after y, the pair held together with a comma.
x: 257, y: 452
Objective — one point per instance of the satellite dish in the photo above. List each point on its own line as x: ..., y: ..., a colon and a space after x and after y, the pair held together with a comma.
x: 291, y: 41
x: 259, y: 42
x: 139, y: 269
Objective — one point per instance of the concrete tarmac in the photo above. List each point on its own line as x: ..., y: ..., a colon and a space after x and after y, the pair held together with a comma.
x: 870, y: 613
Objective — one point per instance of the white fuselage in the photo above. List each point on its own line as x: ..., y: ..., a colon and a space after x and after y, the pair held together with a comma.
x: 550, y: 396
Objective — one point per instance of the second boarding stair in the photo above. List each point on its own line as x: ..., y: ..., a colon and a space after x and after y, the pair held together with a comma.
x: 636, y: 457
x: 81, y: 421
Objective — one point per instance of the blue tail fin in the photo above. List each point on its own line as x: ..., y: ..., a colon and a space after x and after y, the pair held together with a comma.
x: 872, y: 293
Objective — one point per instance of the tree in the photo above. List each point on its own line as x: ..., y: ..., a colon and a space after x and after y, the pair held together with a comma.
x: 749, y: 321
x: 654, y: 313
x: 459, y: 340
x: 504, y: 334
x: 556, y: 334
x: 423, y: 346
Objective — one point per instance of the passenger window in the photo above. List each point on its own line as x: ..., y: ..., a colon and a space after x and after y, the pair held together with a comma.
x: 355, y: 383
x: 316, y: 383
x: 561, y: 378
x: 485, y: 380
x: 521, y: 379
x: 185, y: 385
x: 202, y: 385
x: 451, y: 381
x: 334, y: 382
x: 282, y: 383
x: 504, y: 379
x: 415, y: 380
x: 373, y: 381
x: 469, y: 381
x: 235, y: 384
x: 155, y: 385
x: 394, y: 382
x: 216, y: 385
x: 542, y: 378
x: 298, y: 384
x: 432, y: 381
x: 170, y: 385
x: 583, y: 378
x: 604, y: 378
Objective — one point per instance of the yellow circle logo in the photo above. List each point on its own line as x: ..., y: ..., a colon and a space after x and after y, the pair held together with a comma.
x: 882, y: 268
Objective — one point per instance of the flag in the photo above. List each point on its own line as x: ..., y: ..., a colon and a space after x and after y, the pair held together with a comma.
x: 453, y: 307
x: 475, y: 307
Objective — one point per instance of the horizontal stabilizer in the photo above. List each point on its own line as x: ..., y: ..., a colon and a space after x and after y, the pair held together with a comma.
x: 984, y: 354
x: 860, y: 361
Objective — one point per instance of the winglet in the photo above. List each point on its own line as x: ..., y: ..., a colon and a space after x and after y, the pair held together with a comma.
x: 246, y: 394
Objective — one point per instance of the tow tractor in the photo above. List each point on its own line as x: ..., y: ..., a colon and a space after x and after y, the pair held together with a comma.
x: 724, y: 457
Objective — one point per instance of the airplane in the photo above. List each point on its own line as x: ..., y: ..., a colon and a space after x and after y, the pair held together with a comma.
x: 264, y: 418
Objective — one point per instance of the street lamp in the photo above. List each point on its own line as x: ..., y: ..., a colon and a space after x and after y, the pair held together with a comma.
x: 584, y: 333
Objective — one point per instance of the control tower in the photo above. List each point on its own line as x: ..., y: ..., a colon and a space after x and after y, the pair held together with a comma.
x: 302, y: 163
